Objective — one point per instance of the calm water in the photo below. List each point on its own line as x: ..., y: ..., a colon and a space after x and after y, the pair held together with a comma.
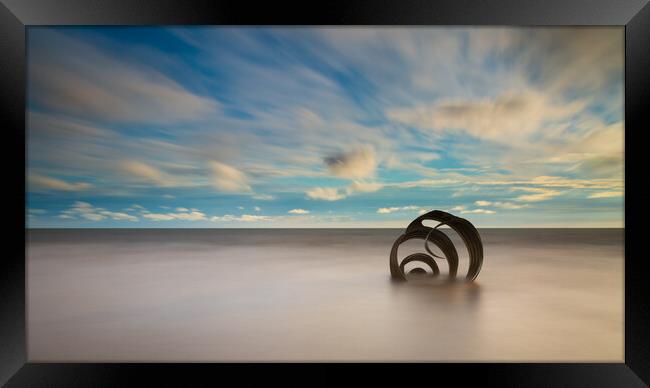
x: 210, y: 295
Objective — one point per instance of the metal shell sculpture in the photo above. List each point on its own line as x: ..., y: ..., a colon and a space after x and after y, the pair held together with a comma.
x: 416, y: 230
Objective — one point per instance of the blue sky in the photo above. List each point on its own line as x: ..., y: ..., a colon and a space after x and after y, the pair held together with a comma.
x: 324, y: 127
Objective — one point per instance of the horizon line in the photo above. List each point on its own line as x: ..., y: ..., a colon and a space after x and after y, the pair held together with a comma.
x: 258, y: 228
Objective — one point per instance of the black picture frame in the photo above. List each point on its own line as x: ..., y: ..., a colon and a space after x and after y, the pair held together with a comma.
x: 15, y: 15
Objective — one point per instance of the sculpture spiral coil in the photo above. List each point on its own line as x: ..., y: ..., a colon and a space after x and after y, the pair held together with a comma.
x: 416, y: 230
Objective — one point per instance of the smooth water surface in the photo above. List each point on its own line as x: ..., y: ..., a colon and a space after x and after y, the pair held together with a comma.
x: 292, y: 294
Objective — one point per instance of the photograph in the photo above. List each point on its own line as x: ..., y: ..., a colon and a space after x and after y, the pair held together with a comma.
x: 325, y: 193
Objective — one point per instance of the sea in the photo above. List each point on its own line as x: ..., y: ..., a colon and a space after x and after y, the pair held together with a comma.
x: 203, y: 295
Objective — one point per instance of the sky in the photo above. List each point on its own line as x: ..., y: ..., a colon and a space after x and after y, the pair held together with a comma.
x: 222, y: 127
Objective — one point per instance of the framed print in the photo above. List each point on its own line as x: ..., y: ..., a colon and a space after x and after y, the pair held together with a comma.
x: 455, y: 185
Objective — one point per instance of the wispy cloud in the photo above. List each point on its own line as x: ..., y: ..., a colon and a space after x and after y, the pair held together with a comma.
x: 78, y: 78
x: 509, y: 205
x: 462, y: 209
x: 228, y: 178
x: 325, y: 193
x: 89, y: 212
x: 539, y: 194
x: 242, y: 218
x: 185, y: 215
x: 38, y: 182
x: 298, y: 211
x: 506, y: 118
x: 263, y: 197
x: 499, y: 204
x: 363, y: 187
x: 606, y: 194
x: 393, y: 209
x: 478, y: 211
x: 143, y: 171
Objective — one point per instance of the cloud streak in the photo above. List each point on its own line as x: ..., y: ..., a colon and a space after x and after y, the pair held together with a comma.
x: 325, y: 193
x: 39, y: 182
x: 606, y: 194
x: 538, y: 194
x: 180, y: 215
x: 228, y: 178
x: 144, y: 172
x: 86, y: 211
x: 393, y: 209
x: 75, y: 77
x: 506, y: 118
x: 242, y: 218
